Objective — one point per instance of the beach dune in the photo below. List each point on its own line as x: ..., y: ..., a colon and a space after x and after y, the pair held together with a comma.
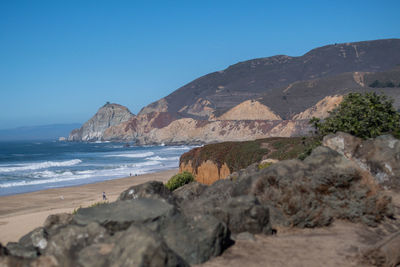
x: 22, y: 213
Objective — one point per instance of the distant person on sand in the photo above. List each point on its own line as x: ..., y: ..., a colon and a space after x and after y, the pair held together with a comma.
x: 104, y: 196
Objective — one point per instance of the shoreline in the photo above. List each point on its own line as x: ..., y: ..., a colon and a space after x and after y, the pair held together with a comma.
x: 21, y: 213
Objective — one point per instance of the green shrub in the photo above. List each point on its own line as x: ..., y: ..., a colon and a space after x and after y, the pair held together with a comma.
x: 92, y: 205
x: 364, y: 115
x: 179, y: 180
x: 376, y: 84
x: 309, y: 148
x: 264, y: 165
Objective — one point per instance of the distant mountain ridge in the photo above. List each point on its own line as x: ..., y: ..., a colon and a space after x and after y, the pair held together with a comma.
x: 258, y: 98
x: 219, y: 91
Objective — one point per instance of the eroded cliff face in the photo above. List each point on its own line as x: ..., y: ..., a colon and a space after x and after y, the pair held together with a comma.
x: 207, y: 173
x: 250, y: 110
x: 321, y: 109
x: 189, y: 130
x: 107, y: 116
x: 115, y: 123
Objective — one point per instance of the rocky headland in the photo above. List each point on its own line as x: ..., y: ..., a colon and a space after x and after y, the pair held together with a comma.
x: 259, y: 98
x: 347, y: 181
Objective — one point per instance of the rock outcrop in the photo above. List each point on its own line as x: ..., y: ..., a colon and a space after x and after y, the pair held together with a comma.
x: 208, y: 172
x: 107, y: 116
x: 214, y: 162
x: 379, y: 157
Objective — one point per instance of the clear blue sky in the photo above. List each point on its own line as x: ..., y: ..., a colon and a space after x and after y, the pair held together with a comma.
x: 61, y: 60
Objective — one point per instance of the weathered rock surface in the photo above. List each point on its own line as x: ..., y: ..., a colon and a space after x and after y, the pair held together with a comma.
x: 244, y: 214
x: 119, y: 215
x: 196, y: 238
x: 380, y: 156
x: 207, y: 173
x: 20, y: 251
x: 323, y: 187
x: 386, y: 252
x: 68, y: 242
x: 107, y: 116
x: 189, y: 192
x: 152, y: 189
x: 137, y: 246
x: 36, y: 239
x: 55, y: 221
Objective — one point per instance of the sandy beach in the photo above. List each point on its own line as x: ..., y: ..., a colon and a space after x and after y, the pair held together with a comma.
x: 22, y: 213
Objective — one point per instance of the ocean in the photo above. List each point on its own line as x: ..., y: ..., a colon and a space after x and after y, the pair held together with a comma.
x: 38, y: 165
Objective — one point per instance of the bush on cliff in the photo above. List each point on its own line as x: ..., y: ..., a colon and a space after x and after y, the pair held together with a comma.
x: 363, y: 115
x: 179, y: 180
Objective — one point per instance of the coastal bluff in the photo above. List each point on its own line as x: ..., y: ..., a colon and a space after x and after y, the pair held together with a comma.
x: 214, y: 162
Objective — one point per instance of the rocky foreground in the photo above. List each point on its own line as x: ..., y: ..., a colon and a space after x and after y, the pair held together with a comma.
x: 150, y: 226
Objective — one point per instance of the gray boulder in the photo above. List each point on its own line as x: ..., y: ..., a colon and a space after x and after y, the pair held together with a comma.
x: 66, y: 245
x: 197, y: 238
x: 380, y: 156
x: 36, y: 239
x: 54, y: 221
x: 244, y: 214
x: 137, y: 246
x: 343, y: 143
x: 18, y: 250
x: 189, y: 191
x: 314, y: 192
x: 3, y: 250
x: 119, y: 215
x: 151, y: 189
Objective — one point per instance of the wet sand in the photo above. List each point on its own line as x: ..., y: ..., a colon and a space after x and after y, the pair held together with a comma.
x: 22, y: 213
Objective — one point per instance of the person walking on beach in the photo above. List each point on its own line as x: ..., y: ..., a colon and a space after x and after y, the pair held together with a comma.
x: 104, y: 196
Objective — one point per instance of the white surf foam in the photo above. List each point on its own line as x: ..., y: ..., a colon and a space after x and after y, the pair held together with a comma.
x: 132, y: 155
x: 179, y: 148
x: 50, y: 177
x: 38, y: 165
x: 161, y: 158
x: 51, y: 174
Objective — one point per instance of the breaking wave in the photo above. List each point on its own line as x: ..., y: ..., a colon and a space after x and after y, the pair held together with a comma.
x: 132, y: 155
x: 38, y: 165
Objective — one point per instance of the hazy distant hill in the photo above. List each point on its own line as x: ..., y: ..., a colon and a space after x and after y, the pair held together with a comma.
x: 42, y: 132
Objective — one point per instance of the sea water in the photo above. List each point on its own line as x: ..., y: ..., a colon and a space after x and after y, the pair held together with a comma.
x: 32, y: 166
